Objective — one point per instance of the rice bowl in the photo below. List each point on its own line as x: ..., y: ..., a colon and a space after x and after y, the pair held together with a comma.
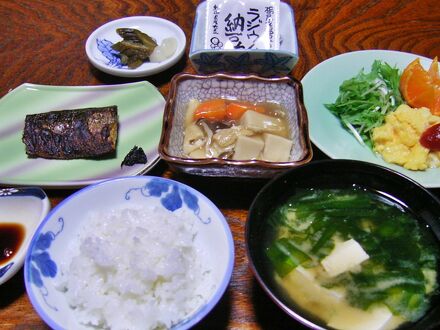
x: 148, y: 252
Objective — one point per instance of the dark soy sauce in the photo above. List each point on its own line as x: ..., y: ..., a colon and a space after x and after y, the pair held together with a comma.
x: 11, y: 237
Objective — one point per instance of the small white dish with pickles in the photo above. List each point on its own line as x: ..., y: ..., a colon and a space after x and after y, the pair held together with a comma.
x: 154, y: 44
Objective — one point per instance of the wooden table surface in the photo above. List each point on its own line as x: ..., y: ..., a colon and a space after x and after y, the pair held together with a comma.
x: 42, y: 42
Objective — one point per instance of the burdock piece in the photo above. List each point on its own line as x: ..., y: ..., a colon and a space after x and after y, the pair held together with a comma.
x: 69, y: 134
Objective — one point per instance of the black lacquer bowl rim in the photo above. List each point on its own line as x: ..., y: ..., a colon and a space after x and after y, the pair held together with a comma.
x: 338, y: 174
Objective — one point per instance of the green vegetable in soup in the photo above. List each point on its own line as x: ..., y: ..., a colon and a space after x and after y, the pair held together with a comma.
x: 366, y: 99
x: 402, y: 256
x: 285, y: 256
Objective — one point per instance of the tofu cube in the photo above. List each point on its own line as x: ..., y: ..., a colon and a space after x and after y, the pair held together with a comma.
x: 344, y: 256
x: 248, y: 147
x: 333, y: 295
x: 259, y: 122
x: 276, y: 148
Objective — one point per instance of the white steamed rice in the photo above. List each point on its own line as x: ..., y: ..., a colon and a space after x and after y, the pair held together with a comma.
x: 134, y: 269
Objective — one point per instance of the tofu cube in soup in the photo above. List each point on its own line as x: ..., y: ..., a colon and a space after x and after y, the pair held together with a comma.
x: 344, y: 257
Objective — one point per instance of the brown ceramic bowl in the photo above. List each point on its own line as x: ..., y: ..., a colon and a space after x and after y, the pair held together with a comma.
x: 184, y: 87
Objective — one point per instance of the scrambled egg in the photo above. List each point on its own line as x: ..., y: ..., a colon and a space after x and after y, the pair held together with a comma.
x: 398, y: 139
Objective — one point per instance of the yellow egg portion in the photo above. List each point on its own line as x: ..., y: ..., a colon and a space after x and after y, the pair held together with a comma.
x: 397, y: 140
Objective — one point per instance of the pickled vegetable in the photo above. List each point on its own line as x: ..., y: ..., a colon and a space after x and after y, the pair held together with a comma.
x: 136, y: 47
x: 164, y: 51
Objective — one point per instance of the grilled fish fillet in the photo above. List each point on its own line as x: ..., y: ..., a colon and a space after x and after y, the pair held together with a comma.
x: 69, y: 134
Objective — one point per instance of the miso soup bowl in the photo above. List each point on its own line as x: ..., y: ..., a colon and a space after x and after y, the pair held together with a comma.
x: 336, y: 174
x: 184, y: 87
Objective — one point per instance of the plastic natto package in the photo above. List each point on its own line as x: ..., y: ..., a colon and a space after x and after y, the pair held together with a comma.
x: 242, y: 24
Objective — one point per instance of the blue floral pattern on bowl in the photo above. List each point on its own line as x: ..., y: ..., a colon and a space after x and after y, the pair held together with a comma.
x: 171, y: 196
x: 40, y: 261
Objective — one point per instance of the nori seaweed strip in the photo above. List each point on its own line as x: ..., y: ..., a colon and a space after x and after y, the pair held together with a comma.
x: 69, y: 134
x: 135, y: 156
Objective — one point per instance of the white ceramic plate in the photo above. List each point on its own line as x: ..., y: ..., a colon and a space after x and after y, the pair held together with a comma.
x: 321, y: 86
x: 157, y: 28
x: 140, y: 113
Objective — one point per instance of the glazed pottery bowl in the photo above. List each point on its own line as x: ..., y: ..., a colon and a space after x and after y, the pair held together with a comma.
x: 55, y: 245
x: 335, y: 174
x: 185, y: 87
x: 263, y: 62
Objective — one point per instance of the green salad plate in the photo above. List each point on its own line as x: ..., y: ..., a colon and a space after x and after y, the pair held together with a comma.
x: 321, y: 86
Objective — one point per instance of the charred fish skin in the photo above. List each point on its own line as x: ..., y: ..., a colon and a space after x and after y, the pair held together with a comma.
x: 70, y: 134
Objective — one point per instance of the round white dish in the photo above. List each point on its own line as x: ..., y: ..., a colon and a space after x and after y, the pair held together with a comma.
x: 26, y: 207
x: 156, y: 27
x: 50, y: 246
x: 321, y: 86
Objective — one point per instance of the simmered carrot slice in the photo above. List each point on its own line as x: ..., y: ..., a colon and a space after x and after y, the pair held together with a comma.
x: 214, y: 109
x: 236, y: 109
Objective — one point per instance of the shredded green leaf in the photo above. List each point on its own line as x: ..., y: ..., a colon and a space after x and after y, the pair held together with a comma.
x: 366, y: 99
